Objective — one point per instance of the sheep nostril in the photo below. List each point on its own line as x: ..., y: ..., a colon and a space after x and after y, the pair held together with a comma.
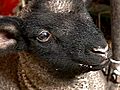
x: 101, y: 51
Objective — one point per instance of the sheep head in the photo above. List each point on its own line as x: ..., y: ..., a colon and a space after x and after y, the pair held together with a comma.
x: 58, y: 31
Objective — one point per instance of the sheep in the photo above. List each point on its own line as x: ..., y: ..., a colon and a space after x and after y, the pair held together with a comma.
x: 52, y: 45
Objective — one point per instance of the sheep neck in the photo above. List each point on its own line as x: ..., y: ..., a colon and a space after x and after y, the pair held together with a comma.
x: 38, y: 75
x: 24, y: 81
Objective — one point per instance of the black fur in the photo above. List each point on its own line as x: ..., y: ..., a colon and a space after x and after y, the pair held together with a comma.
x: 73, y: 36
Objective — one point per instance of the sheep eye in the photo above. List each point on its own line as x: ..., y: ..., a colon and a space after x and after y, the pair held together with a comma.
x: 44, y: 36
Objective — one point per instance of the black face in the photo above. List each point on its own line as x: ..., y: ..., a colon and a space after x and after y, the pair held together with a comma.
x: 69, y: 42
x: 65, y: 36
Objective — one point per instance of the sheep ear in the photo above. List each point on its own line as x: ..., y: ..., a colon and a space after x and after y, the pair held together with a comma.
x: 10, y: 36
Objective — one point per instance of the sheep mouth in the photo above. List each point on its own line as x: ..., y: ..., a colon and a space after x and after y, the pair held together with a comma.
x: 6, y: 39
x: 95, y: 67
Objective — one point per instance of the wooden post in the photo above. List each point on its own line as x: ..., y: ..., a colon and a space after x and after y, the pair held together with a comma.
x: 115, y: 23
x: 115, y: 33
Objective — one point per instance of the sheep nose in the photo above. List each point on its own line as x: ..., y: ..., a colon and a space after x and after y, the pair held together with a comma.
x: 101, y: 51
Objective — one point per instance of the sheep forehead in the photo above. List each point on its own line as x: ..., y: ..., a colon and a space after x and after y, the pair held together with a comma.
x: 59, y: 6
